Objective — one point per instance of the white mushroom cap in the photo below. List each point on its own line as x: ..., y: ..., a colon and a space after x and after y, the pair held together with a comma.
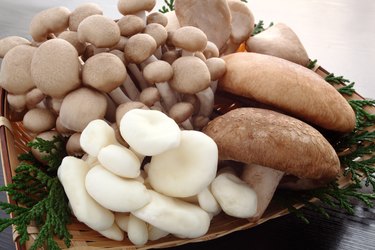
x: 137, y: 231
x: 208, y: 202
x: 155, y: 233
x: 99, y: 30
x: 122, y: 220
x: 16, y: 102
x: 55, y: 68
x: 72, y: 173
x: 82, y: 106
x: 133, y: 6
x: 15, y: 73
x: 235, y: 197
x: 186, y: 170
x: 81, y: 12
x: 174, y: 216
x: 115, y: 193
x: 53, y: 20
x: 113, y: 233
x: 120, y: 161
x: 149, y: 132
x: 97, y: 135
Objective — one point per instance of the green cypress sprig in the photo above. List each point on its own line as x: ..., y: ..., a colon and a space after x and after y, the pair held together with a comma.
x: 259, y: 27
x: 348, y: 89
x: 364, y: 118
x: 40, y: 197
x: 169, y: 6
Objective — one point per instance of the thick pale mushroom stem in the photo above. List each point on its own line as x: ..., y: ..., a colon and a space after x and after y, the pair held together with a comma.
x: 118, y: 96
x: 263, y: 181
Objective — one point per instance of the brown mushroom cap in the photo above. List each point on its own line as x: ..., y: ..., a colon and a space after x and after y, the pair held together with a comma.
x: 82, y: 106
x: 52, y: 20
x: 47, y: 136
x: 130, y: 25
x: 133, y: 6
x: 38, y: 120
x: 189, y: 38
x: 157, y: 17
x: 139, y: 47
x: 55, y: 68
x: 217, y: 67
x: 190, y: 75
x: 73, y: 147
x: 7, y: 43
x: 181, y: 111
x: 104, y: 72
x: 158, y: 32
x: 72, y: 38
x: 81, y: 12
x: 100, y: 31
x: 158, y: 71
x: 149, y: 96
x: 274, y: 140
x: 15, y: 74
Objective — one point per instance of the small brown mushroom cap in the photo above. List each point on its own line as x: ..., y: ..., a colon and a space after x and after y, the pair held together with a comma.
x: 139, y: 47
x: 61, y: 129
x: 100, y: 31
x: 8, y: 43
x: 274, y: 140
x: 52, y: 20
x: 104, y: 72
x: 130, y: 25
x: 123, y: 108
x: 81, y: 12
x: 73, y: 147
x: 82, y: 106
x: 217, y: 67
x: 189, y: 38
x: 33, y: 97
x: 55, y: 68
x: 158, y: 71
x: 38, y: 120
x: 190, y: 75
x: 181, y: 111
x: 211, y: 50
x: 72, y: 38
x: 158, y: 32
x: 15, y: 73
x: 157, y: 17
x: 47, y: 136
x: 127, y: 7
x: 149, y: 96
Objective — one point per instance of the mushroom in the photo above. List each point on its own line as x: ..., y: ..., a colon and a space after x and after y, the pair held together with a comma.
x: 61, y: 129
x: 120, y: 161
x: 135, y: 7
x: 9, y: 42
x: 115, y: 193
x: 137, y: 231
x: 99, y: 30
x: 181, y: 112
x: 190, y: 39
x: 216, y: 18
x: 217, y: 68
x: 149, y: 132
x: 155, y: 233
x: 73, y: 146
x: 50, y: 21
x: 16, y: 102
x: 139, y: 47
x: 275, y: 141
x: 106, y: 72
x: 15, y: 74
x: 207, y: 201
x: 55, y: 68
x: 159, y: 73
x: 242, y: 24
x: 159, y: 33
x: 72, y: 38
x: 187, y: 169
x: 235, y: 196
x: 72, y: 173
x: 170, y: 56
x: 53, y: 104
x: 130, y: 25
x: 173, y: 23
x: 191, y: 76
x: 174, y: 216
x: 81, y: 12
x: 47, y: 136
x: 125, y: 107
x: 86, y: 99
x: 38, y: 120
x: 113, y: 233
x: 279, y: 40
x: 97, y: 135
x: 122, y: 220
x: 151, y: 98
x: 34, y: 97
x: 157, y: 17
x: 120, y: 46
x: 211, y: 50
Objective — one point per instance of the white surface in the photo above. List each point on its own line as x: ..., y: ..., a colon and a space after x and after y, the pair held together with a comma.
x: 339, y: 33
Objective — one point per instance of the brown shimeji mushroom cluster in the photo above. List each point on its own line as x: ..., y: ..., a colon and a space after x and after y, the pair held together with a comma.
x: 82, y: 65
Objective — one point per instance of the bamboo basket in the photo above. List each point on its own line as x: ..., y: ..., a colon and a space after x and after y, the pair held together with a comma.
x: 13, y: 142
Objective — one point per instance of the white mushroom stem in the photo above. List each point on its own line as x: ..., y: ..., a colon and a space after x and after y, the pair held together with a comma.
x: 136, y: 72
x: 131, y: 89
x: 206, y: 99
x: 137, y: 231
x: 263, y: 181
x: 118, y: 96
x: 167, y: 94
x: 213, y: 86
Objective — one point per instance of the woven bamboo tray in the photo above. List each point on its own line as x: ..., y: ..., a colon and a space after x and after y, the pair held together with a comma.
x: 13, y: 140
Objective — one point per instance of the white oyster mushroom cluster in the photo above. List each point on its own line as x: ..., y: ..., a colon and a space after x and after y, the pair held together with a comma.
x: 143, y: 190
